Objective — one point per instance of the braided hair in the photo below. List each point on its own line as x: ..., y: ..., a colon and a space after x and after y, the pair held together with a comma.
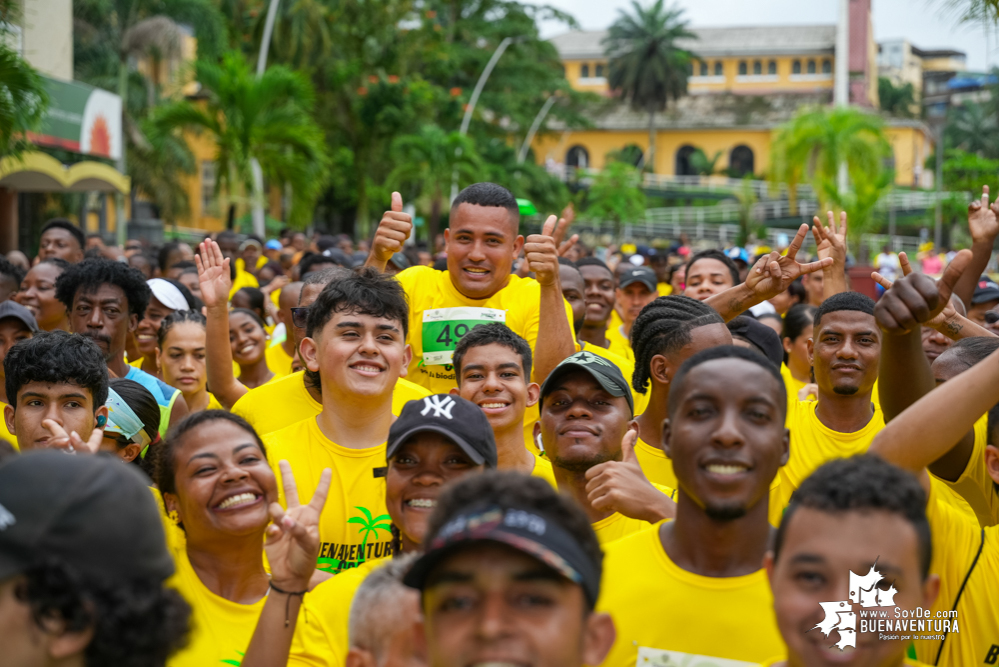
x: 663, y: 327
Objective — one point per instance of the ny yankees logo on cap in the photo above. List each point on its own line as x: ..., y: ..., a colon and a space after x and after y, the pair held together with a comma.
x: 440, y: 404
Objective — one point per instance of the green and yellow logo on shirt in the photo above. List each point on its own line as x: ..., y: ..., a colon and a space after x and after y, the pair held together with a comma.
x: 335, y: 557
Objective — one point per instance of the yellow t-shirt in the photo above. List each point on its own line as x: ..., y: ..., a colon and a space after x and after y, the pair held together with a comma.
x: 975, y: 485
x: 434, y: 328
x: 543, y: 469
x: 958, y: 541
x: 655, y: 464
x: 667, y: 615
x: 5, y: 433
x: 773, y: 662
x: 242, y: 279
x: 327, y: 609
x: 278, y: 361
x: 664, y: 289
x: 619, y: 343
x: 284, y: 401
x: 792, y: 384
x: 354, y: 526
x: 813, y: 443
x: 627, y: 370
x: 220, y: 629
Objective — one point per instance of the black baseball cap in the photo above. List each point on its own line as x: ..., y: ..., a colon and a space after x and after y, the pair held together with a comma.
x: 527, y: 530
x: 457, y: 419
x: 17, y: 311
x: 92, y: 512
x: 639, y: 274
x: 763, y: 337
x: 986, y: 290
x: 604, y: 371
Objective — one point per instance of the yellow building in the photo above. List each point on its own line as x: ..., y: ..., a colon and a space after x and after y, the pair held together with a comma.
x: 746, y: 83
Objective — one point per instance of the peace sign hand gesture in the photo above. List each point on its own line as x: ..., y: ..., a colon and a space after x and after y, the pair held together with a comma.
x: 772, y: 274
x: 292, y: 539
x: 831, y: 241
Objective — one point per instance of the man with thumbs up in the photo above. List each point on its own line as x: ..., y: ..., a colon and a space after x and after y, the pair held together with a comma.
x: 482, y: 242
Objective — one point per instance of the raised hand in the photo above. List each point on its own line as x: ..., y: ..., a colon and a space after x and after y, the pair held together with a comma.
x: 949, y: 311
x: 292, y: 539
x: 568, y: 215
x: 541, y: 251
x: 393, y: 230
x: 72, y: 442
x: 982, y: 220
x: 831, y: 241
x: 213, y: 274
x: 916, y: 299
x: 772, y: 274
x: 621, y: 486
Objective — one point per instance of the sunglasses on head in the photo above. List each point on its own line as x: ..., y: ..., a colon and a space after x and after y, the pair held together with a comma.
x: 300, y: 316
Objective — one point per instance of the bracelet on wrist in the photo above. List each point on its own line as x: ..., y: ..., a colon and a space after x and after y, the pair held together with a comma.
x: 287, y: 604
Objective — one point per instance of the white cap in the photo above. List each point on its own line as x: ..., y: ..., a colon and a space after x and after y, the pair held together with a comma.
x: 168, y: 294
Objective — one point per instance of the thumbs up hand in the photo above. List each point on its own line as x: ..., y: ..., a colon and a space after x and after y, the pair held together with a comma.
x: 621, y: 486
x: 541, y: 252
x: 393, y: 230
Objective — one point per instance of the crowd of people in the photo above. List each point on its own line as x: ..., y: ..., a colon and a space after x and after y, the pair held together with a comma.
x: 499, y: 451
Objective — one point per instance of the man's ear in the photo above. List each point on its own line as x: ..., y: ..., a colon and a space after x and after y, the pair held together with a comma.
x: 785, y: 444
x: 667, y: 432
x: 64, y: 645
x: 811, y: 352
x: 359, y: 657
x: 768, y: 565
x: 447, y: 239
x: 309, y: 351
x: 660, y: 369
x: 598, y: 638
x: 991, y: 460
x: 133, y: 323
x: 420, y: 636
x: 518, y: 245
x: 537, y: 434
x: 931, y: 588
x: 8, y: 417
x: 130, y: 452
x: 407, y: 356
x: 533, y: 394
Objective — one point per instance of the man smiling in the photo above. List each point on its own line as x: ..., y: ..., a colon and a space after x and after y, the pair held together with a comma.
x: 694, y: 588
x: 356, y: 343
x: 482, y: 241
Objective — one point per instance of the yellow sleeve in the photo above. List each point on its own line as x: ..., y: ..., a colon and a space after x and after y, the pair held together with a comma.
x: 312, y: 644
x: 975, y: 484
x: 667, y: 490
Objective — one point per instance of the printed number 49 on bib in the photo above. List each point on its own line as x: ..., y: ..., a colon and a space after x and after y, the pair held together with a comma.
x: 444, y: 327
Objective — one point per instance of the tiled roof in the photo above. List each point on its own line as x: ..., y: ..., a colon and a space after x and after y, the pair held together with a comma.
x: 719, y: 42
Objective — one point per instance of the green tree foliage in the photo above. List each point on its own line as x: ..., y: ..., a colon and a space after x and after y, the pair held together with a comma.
x: 965, y: 171
x: 426, y: 160
x: 812, y: 146
x: 269, y: 118
x: 972, y: 127
x: 157, y: 159
x: 23, y: 101
x: 898, y: 101
x: 702, y: 164
x: 616, y: 195
x: 647, y: 66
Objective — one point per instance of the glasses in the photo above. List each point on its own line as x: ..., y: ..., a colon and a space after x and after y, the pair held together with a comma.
x: 300, y: 316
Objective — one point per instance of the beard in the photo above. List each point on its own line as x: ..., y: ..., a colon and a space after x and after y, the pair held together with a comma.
x: 581, y: 465
x: 845, y: 390
x: 725, y: 512
x: 100, y: 338
x: 577, y: 325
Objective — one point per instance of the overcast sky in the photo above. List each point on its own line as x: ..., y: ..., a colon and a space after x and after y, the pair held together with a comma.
x: 919, y: 21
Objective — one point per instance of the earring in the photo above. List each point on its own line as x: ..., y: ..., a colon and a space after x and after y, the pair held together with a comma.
x: 173, y: 516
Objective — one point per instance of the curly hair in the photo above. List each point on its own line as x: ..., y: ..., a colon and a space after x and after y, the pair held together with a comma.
x: 90, y: 274
x: 11, y: 272
x: 165, y: 453
x: 487, y: 334
x: 863, y: 483
x: 367, y: 292
x: 514, y: 489
x: 844, y: 301
x: 57, y: 357
x: 67, y: 225
x: 728, y: 352
x: 135, y: 624
x: 663, y: 327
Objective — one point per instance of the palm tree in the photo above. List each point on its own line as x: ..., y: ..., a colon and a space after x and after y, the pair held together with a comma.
x: 157, y: 160
x: 813, y: 145
x: 702, y: 164
x: 428, y: 159
x: 896, y: 100
x: 647, y: 66
x: 370, y: 524
x: 268, y: 118
x: 972, y: 127
x: 23, y: 101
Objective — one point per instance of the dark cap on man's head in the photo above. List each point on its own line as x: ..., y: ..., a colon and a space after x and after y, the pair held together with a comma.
x: 19, y: 312
x: 761, y: 336
x: 457, y: 419
x: 639, y: 274
x: 986, y: 290
x: 605, y: 372
x: 92, y: 512
x: 527, y: 530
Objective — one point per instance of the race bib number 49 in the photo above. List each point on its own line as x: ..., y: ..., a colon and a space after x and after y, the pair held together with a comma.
x: 444, y: 327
